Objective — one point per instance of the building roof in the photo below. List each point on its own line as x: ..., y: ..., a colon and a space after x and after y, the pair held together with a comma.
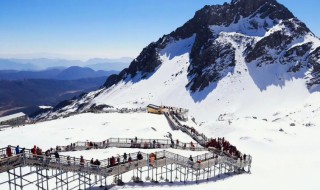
x: 13, y: 116
x: 153, y: 106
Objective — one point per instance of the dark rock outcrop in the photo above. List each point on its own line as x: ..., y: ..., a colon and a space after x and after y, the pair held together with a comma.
x: 314, y: 61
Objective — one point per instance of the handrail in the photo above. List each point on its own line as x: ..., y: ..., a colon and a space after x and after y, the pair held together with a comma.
x: 126, y: 143
x: 105, y: 164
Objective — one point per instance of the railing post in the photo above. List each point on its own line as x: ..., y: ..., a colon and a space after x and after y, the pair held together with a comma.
x: 24, y: 158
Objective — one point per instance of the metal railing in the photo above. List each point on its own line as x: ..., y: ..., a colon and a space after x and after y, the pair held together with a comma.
x: 75, y: 164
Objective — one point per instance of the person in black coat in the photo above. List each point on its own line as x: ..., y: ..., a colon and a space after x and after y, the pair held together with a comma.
x: 57, y: 156
x: 125, y: 157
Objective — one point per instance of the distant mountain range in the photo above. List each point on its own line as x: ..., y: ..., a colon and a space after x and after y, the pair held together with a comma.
x: 27, y: 90
x: 71, y: 73
x: 44, y: 63
x: 27, y: 95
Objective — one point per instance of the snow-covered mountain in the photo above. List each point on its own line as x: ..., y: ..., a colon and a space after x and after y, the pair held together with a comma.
x: 248, y: 57
x: 247, y: 71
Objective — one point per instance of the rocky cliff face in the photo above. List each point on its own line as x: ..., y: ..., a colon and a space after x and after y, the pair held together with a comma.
x: 268, y: 30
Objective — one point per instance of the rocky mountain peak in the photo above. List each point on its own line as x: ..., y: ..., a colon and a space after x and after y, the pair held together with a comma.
x: 269, y: 31
x: 251, y: 2
x: 266, y: 8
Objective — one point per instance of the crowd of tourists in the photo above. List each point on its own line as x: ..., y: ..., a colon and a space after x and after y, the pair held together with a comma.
x: 223, y: 145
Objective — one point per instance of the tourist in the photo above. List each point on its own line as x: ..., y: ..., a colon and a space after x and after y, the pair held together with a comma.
x: 112, y: 161
x: 139, y: 156
x: 118, y: 160
x: 125, y: 157
x: 154, y: 144
x: 130, y: 159
x: 190, y: 161
x: 34, y: 150
x: 9, y: 151
x: 57, y: 156
x: 17, y: 150
x: 97, y: 163
x: 81, y: 161
x: 68, y: 161
x: 131, y: 144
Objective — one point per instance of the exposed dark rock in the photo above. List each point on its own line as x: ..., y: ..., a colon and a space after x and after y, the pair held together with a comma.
x: 269, y: 49
x: 314, y: 61
x: 99, y: 107
x: 62, y: 104
x: 81, y: 106
x: 146, y: 62
x: 215, y: 61
x: 260, y: 51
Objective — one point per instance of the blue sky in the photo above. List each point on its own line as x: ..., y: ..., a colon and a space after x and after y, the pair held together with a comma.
x: 81, y: 29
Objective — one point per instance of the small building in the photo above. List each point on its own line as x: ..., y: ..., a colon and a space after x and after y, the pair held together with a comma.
x: 14, y: 119
x: 154, y: 109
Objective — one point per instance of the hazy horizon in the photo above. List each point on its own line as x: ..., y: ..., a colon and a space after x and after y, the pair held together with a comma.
x: 52, y: 56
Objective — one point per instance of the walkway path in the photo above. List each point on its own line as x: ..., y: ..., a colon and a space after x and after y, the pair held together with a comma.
x: 165, y: 162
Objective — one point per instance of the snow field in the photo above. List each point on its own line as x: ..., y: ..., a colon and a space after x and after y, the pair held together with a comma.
x: 281, y: 160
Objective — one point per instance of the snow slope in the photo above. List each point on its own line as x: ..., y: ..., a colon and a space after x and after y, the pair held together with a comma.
x: 286, y: 159
x: 92, y: 127
x: 245, y: 91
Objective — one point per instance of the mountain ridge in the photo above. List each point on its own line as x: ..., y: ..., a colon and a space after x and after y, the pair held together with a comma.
x: 203, y: 25
x: 38, y: 64
x: 70, y: 73
x: 223, y: 53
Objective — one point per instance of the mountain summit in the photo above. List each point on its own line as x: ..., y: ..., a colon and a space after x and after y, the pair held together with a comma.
x: 267, y: 30
x: 226, y: 56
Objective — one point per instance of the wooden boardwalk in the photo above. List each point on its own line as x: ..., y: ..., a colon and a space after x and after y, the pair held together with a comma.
x: 204, y: 166
x: 69, y: 173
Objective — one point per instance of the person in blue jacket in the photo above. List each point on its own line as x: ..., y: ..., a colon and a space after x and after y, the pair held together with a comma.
x: 17, y: 150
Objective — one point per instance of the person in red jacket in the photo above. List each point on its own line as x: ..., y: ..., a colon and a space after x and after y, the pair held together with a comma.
x: 112, y: 161
x: 9, y: 151
x: 34, y: 150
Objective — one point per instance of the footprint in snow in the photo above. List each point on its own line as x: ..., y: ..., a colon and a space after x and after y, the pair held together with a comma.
x: 244, y: 138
